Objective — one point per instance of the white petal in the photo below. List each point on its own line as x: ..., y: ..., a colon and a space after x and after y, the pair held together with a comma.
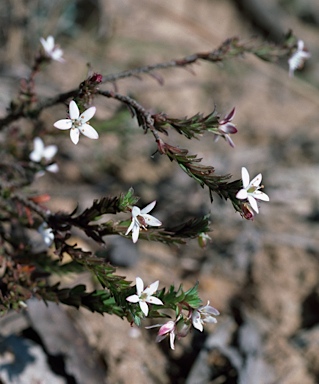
x: 139, y: 286
x: 149, y: 207
x: 36, y: 154
x: 73, y: 110
x: 87, y: 115
x: 171, y: 339
x: 54, y: 168
x: 135, y: 232
x: 74, y: 134
x: 261, y: 196
x: 152, y: 288
x: 144, y: 307
x: 151, y: 220
x: 154, y: 300
x: 63, y: 124
x: 196, y: 320
x: 88, y: 131
x: 50, y: 151
x: 253, y: 203
x: 133, y: 299
x: 256, y: 180
x: 245, y: 177
x: 242, y: 194
x: 129, y: 228
x: 135, y: 211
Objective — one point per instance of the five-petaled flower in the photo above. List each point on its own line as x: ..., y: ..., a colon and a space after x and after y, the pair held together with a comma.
x: 204, y: 314
x: 141, y: 218
x: 227, y: 128
x: 144, y: 296
x: 78, y: 123
x: 51, y: 49
x: 251, y: 189
x: 40, y: 152
x: 298, y: 58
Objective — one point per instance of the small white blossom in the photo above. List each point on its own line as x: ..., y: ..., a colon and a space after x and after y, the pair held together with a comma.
x: 141, y: 218
x: 46, y: 233
x: 298, y: 58
x: 51, y: 49
x: 251, y: 189
x: 78, y: 123
x: 40, y: 152
x: 144, y: 296
x: 204, y: 314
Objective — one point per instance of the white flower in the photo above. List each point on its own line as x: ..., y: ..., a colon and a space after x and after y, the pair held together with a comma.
x: 298, y: 58
x: 204, y: 314
x: 140, y: 218
x: 41, y: 152
x: 144, y: 296
x: 46, y: 233
x: 251, y: 190
x: 52, y: 50
x: 78, y: 123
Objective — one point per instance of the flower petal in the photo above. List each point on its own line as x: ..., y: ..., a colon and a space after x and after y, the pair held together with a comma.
x: 261, y: 196
x: 172, y: 339
x: 54, y: 168
x: 151, y: 220
x: 129, y: 228
x: 139, y: 286
x: 144, y: 307
x: 196, y: 320
x: 88, y: 131
x: 133, y: 299
x: 256, y: 180
x: 253, y: 203
x: 154, y: 300
x: 87, y: 115
x: 149, y: 207
x: 152, y: 288
x: 74, y: 134
x: 63, y: 124
x: 242, y: 194
x: 135, y: 232
x: 73, y: 110
x: 50, y: 151
x: 245, y: 177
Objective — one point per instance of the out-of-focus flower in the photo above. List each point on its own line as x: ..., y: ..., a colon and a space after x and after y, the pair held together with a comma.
x: 203, y: 239
x: 51, y: 49
x: 78, y: 123
x: 227, y: 128
x: 144, y: 296
x: 40, y: 152
x: 251, y: 189
x: 141, y: 218
x: 298, y: 58
x: 46, y: 233
x: 204, y: 314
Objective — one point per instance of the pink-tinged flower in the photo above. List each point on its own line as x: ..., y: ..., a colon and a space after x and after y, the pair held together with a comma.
x: 204, y: 314
x: 141, y: 218
x: 227, y: 128
x: 144, y: 296
x: 78, y: 123
x: 251, y: 189
x: 51, y: 49
x: 298, y: 58
x: 166, y: 329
